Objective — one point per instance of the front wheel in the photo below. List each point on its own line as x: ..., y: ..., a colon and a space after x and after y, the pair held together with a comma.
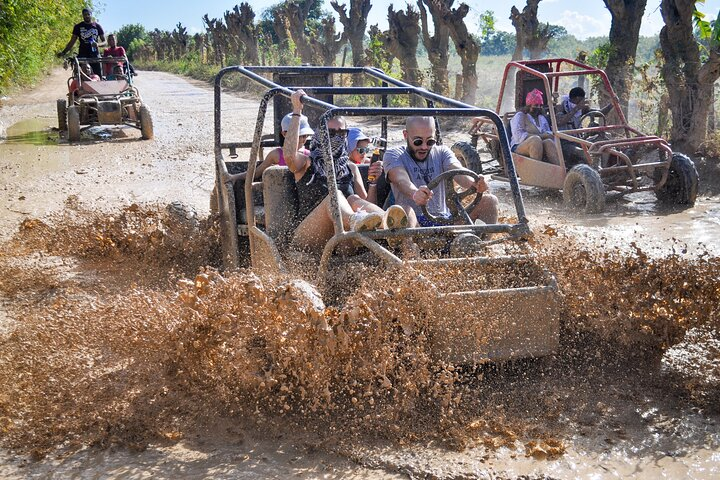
x: 468, y: 156
x: 62, y: 114
x: 73, y: 123
x: 682, y: 182
x: 584, y: 190
x: 146, y: 123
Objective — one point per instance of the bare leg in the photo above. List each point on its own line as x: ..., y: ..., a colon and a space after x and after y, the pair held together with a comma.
x: 551, y: 153
x: 357, y: 204
x: 317, y: 228
x: 486, y: 210
x: 531, y: 147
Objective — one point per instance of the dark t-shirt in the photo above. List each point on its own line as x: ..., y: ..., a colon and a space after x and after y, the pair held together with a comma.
x: 88, y: 34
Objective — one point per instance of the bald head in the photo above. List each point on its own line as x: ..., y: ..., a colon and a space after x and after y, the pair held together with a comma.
x: 413, y: 123
x: 420, y: 136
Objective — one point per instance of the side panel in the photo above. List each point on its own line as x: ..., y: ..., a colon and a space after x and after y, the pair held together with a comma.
x: 538, y: 174
x: 491, y: 326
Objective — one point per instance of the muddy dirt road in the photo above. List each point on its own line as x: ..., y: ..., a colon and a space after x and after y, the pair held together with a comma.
x: 597, y: 411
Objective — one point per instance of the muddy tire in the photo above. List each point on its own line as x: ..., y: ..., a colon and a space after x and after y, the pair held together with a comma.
x: 584, y: 190
x: 73, y: 123
x: 682, y: 182
x: 468, y: 156
x: 146, y: 123
x: 62, y: 114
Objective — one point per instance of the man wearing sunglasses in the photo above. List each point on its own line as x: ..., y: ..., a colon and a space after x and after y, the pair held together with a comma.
x: 410, y: 168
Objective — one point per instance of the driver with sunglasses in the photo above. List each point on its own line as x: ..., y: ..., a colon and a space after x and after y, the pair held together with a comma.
x: 410, y: 168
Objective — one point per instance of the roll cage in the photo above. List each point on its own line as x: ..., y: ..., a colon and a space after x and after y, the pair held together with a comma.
x: 389, y: 86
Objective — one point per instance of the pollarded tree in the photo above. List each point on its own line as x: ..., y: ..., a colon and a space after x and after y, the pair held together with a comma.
x: 325, y: 42
x: 437, y: 44
x: 296, y: 15
x: 217, y: 38
x: 529, y: 33
x: 354, y: 24
x: 180, y: 39
x: 402, y: 41
x: 243, y: 33
x: 688, y: 78
x: 467, y: 48
x: 377, y: 54
x: 624, y: 35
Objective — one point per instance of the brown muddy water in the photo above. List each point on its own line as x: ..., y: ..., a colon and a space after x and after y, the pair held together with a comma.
x: 124, y: 352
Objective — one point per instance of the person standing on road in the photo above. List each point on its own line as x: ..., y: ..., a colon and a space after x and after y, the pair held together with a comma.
x: 88, y: 32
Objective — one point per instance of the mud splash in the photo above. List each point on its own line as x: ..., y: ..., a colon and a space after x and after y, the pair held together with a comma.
x: 123, y: 333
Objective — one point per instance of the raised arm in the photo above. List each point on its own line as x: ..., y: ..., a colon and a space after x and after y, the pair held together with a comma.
x: 296, y: 161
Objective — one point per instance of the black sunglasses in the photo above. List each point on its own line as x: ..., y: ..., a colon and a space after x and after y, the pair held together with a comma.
x: 337, y: 131
x: 363, y: 150
x: 429, y: 142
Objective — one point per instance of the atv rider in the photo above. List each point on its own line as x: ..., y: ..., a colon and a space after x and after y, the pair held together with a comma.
x: 89, y: 33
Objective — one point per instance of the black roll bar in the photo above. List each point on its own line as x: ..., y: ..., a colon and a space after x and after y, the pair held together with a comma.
x: 453, y: 108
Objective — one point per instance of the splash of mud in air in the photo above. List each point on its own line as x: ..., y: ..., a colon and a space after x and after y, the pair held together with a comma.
x: 116, y: 338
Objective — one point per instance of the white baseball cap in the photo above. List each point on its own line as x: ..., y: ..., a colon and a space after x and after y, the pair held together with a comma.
x: 304, y: 125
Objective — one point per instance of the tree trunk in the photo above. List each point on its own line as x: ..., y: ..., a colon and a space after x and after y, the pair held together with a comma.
x: 354, y: 25
x: 624, y: 35
x: 689, y: 83
x: 437, y: 45
x: 402, y: 41
x: 468, y: 50
x: 529, y: 34
x: 241, y: 28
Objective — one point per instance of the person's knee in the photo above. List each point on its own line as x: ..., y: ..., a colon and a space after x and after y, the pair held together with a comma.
x: 534, y: 146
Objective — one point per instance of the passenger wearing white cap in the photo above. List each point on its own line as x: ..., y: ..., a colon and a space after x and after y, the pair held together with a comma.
x: 276, y: 156
x: 358, y: 148
x: 313, y: 214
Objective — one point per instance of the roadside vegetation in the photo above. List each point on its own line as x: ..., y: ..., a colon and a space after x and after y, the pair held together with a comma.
x: 31, y: 31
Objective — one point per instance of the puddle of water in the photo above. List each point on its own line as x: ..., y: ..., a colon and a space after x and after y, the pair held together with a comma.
x: 33, y: 131
x: 100, y: 132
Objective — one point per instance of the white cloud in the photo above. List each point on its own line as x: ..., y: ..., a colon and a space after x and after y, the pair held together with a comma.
x: 583, y: 26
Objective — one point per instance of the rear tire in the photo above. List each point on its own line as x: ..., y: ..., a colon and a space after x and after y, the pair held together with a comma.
x: 146, y: 123
x: 62, y: 114
x: 468, y: 156
x: 682, y: 182
x: 73, y: 123
x: 584, y: 190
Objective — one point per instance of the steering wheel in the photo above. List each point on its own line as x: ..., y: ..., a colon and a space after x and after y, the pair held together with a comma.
x: 453, y: 198
x: 591, y: 117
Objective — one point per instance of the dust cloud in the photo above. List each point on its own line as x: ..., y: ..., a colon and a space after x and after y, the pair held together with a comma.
x: 125, y: 333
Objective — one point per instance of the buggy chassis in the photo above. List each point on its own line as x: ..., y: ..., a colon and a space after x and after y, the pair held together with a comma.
x: 622, y: 159
x: 512, y: 328
x: 113, y: 101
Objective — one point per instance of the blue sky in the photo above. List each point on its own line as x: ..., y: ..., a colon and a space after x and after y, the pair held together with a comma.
x: 582, y: 18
